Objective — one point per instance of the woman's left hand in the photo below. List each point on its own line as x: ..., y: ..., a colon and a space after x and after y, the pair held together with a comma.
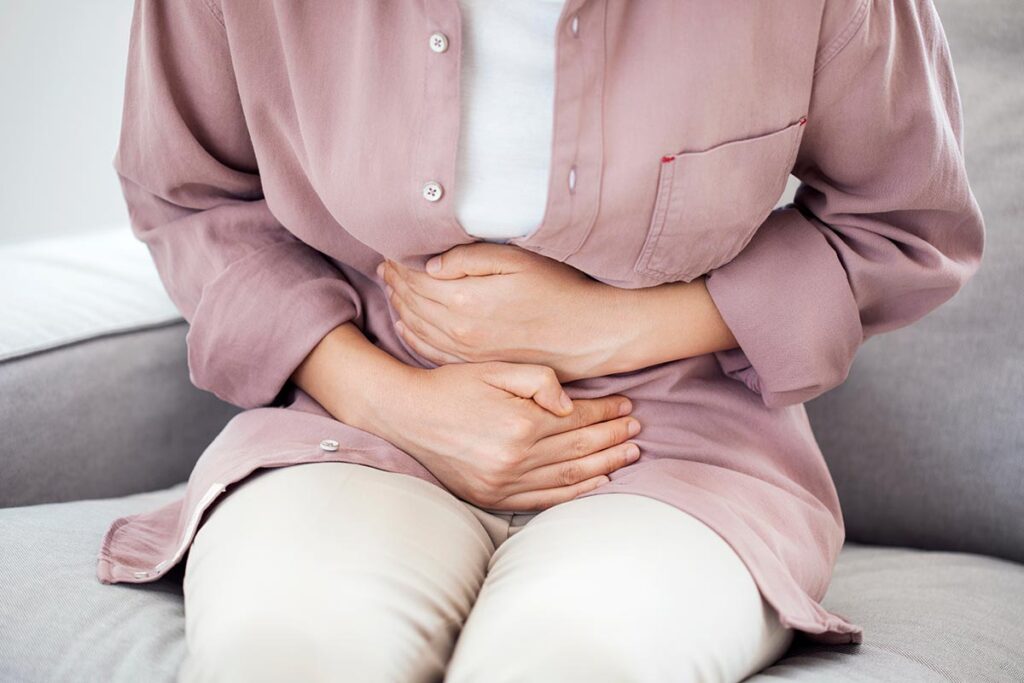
x: 493, y: 301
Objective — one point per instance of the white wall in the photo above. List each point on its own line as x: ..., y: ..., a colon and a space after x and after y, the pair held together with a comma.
x: 62, y: 65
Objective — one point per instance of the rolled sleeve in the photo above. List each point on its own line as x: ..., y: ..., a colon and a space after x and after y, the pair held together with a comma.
x: 257, y: 298
x: 884, y: 227
x: 260, y: 318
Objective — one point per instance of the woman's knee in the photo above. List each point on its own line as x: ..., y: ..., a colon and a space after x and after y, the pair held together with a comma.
x: 618, y: 587
x: 257, y: 647
x: 340, y: 569
x: 352, y: 634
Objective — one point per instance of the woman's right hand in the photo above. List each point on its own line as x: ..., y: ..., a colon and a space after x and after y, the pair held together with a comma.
x: 496, y: 435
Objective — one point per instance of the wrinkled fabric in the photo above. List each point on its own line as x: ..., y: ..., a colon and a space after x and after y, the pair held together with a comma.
x: 272, y: 154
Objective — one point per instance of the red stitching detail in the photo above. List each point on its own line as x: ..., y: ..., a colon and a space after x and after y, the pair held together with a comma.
x: 666, y: 159
x: 803, y: 120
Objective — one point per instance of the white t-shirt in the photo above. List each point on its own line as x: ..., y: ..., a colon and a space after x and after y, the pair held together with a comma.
x: 507, y: 92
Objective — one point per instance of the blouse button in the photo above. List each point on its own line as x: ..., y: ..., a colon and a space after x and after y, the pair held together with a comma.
x: 438, y: 42
x: 432, y: 191
x: 575, y: 25
x: 329, y: 445
x: 572, y: 180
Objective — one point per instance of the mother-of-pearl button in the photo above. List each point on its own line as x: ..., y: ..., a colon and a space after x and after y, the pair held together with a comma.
x: 432, y: 191
x: 438, y: 42
x: 329, y: 445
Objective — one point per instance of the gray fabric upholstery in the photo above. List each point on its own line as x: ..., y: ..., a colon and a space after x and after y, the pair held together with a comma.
x: 928, y: 616
x: 59, y: 623
x: 103, y: 417
x: 925, y: 439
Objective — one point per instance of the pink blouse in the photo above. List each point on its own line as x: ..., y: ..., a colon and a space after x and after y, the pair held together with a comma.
x: 273, y: 153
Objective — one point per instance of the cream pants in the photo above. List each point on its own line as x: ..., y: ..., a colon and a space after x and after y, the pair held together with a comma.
x: 345, y: 572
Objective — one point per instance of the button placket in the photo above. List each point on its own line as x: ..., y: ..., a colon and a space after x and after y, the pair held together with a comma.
x: 433, y: 160
x: 577, y: 144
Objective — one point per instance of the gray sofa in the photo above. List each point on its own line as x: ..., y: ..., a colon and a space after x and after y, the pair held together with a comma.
x: 925, y: 441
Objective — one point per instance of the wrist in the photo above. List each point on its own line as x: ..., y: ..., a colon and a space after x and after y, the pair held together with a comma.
x: 352, y: 378
x: 385, y: 398
x: 607, y: 342
x: 630, y: 312
x: 647, y: 326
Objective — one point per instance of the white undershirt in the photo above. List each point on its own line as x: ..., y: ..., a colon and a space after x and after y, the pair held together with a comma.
x: 507, y: 92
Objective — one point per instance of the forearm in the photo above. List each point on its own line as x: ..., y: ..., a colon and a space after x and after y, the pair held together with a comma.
x: 353, y: 379
x: 653, y: 325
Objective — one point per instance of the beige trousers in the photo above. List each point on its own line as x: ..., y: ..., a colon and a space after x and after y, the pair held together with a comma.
x: 344, y: 572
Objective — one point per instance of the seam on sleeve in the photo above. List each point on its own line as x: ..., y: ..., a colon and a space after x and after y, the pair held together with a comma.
x: 844, y: 37
x: 215, y: 11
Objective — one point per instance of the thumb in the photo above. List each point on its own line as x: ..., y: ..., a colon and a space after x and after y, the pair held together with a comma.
x: 538, y: 382
x: 478, y: 258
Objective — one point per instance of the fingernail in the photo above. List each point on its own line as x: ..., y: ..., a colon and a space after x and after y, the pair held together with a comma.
x: 625, y: 407
x: 632, y: 452
x: 380, y: 269
x: 633, y: 428
x: 565, y: 401
x: 434, y: 265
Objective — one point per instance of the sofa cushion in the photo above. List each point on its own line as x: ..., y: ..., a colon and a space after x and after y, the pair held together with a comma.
x: 58, y: 622
x: 924, y: 439
x: 95, y: 397
x: 928, y: 616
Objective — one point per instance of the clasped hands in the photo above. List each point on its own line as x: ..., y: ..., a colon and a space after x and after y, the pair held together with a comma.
x: 520, y: 324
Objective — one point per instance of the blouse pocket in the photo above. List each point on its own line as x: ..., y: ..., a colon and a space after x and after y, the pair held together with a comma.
x: 710, y: 203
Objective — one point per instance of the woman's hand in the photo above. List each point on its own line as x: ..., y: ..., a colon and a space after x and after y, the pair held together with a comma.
x: 499, y: 435
x: 496, y: 434
x: 500, y: 302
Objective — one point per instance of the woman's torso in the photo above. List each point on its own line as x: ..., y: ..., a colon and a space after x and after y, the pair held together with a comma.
x: 344, y: 163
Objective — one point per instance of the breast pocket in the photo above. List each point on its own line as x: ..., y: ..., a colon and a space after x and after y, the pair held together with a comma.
x: 709, y: 203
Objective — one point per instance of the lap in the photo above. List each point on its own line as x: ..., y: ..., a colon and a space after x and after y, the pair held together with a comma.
x: 617, y: 587
x: 332, y: 566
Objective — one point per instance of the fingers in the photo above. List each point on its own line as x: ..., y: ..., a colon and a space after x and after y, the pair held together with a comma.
x: 581, y: 442
x: 477, y: 259
x: 575, y: 470
x: 427, y: 339
x: 410, y: 306
x: 545, y: 498
x: 537, y: 382
x: 586, y: 411
x: 420, y: 283
x: 436, y: 355
x: 422, y: 318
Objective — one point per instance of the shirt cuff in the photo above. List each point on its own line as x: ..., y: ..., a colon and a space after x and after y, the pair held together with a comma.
x: 788, y: 302
x: 261, y: 317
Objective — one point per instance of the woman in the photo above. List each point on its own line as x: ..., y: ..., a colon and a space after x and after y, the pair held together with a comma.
x: 407, y: 494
